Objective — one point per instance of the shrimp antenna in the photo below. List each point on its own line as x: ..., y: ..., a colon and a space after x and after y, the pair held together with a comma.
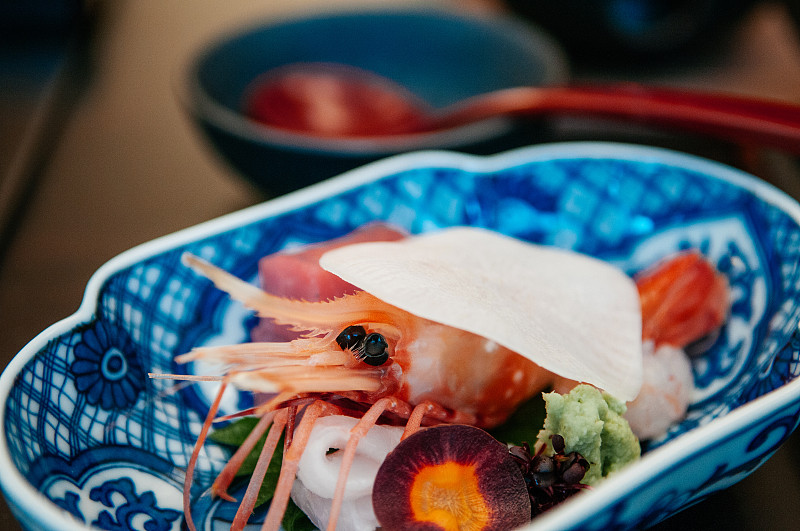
x: 184, y: 377
x: 320, y: 317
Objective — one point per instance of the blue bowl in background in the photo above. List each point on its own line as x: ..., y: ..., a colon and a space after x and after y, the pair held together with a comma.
x: 439, y: 56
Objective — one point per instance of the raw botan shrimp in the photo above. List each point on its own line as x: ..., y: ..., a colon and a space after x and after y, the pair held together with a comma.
x: 344, y: 366
x: 362, y: 357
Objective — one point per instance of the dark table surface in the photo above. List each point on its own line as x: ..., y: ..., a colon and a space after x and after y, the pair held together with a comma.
x: 96, y: 156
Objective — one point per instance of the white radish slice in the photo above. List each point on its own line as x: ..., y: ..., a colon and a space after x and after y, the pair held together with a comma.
x: 574, y: 315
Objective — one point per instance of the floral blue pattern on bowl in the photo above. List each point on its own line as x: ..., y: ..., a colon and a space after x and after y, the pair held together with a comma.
x: 89, y: 439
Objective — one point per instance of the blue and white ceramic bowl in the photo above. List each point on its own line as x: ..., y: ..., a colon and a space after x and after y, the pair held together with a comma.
x: 88, y: 439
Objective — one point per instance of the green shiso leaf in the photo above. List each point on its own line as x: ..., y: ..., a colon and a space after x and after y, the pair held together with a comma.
x: 234, y: 433
x: 296, y: 520
x: 524, y: 424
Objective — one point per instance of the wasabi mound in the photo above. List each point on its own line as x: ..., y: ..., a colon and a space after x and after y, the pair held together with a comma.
x: 591, y: 423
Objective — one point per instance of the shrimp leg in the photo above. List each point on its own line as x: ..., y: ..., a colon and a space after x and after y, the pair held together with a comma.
x: 225, y: 477
x: 415, y: 419
x: 356, y: 433
x: 201, y: 439
x: 251, y: 494
x: 291, y: 461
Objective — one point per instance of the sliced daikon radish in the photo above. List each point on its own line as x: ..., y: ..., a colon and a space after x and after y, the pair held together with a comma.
x: 574, y: 315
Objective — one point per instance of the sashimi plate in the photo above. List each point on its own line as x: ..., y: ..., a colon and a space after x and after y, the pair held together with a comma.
x: 89, y: 440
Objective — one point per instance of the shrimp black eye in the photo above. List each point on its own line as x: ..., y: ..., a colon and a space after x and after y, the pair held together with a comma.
x: 375, y: 351
x: 351, y: 338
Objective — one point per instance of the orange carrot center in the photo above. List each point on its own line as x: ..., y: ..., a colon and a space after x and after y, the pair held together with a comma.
x: 448, y: 495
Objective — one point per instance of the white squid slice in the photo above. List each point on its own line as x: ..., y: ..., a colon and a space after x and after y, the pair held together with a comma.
x: 318, y: 472
x: 319, y: 469
x: 574, y: 315
x: 355, y: 515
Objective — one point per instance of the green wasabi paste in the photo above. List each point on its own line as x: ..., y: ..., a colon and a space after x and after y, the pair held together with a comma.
x: 591, y: 423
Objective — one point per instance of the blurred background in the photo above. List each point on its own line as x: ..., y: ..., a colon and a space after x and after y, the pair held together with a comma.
x: 98, y: 153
